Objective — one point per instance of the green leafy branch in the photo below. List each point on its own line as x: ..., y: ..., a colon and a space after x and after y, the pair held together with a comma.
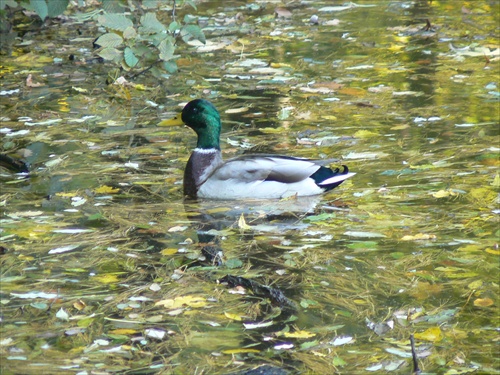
x: 43, y: 8
x: 143, y: 42
x: 135, y: 38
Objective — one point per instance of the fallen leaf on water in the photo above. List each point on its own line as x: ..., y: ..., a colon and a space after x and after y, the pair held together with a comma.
x: 123, y: 331
x: 483, y: 302
x: 433, y: 334
x: 300, y: 334
x: 365, y: 134
x: 444, y: 194
x: 105, y: 189
x: 232, y: 316
x: 106, y: 279
x: 425, y: 290
x: 341, y: 340
x: 177, y: 228
x: 242, y: 350
x: 492, y: 251
x: 62, y: 315
x: 419, y: 237
x: 364, y: 234
x: 155, y: 333
x: 400, y: 127
x: 30, y: 83
x: 475, y: 284
x: 236, y: 110
x: 242, y: 224
x: 353, y: 91
x: 63, y: 249
x: 191, y: 301
x: 169, y: 251
x: 496, y: 181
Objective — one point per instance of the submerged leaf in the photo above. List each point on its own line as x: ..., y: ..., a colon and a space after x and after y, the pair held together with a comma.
x: 190, y: 300
x: 299, y: 334
x: 483, y: 302
x: 433, y: 334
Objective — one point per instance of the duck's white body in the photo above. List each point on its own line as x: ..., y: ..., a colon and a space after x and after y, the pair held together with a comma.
x: 254, y: 176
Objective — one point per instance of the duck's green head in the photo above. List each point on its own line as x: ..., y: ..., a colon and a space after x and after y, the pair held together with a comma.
x: 201, y: 116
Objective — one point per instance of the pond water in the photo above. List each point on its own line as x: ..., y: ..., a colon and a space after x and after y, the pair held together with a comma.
x: 105, y: 269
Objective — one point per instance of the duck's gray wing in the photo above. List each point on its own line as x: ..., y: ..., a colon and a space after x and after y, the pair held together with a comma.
x: 249, y: 168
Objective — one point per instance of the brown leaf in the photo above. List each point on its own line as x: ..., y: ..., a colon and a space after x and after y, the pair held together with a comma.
x: 30, y: 83
x: 483, y: 302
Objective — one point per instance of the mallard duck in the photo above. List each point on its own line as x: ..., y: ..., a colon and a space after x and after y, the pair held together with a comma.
x: 259, y: 176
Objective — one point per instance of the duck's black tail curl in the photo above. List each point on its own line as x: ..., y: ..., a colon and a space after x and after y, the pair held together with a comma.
x: 322, y: 176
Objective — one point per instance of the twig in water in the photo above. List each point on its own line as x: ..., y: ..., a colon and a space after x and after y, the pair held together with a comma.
x: 416, y: 369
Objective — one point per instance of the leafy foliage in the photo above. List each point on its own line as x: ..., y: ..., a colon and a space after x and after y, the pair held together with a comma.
x: 135, y: 38
x: 145, y: 41
x: 43, y: 8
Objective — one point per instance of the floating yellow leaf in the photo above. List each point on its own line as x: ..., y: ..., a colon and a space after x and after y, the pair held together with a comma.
x: 272, y: 130
x: 470, y: 248
x: 79, y: 89
x: 66, y: 195
x: 483, y: 302
x: 299, y: 334
x: 280, y: 65
x: 169, y: 251
x: 331, y: 118
x: 360, y: 302
x: 395, y: 47
x: 432, y: 334
x: 25, y: 257
x: 400, y: 127
x: 423, y: 166
x: 79, y: 305
x: 232, y: 316
x: 106, y: 279
x: 444, y: 194
x: 482, y: 195
x: 448, y: 269
x: 238, y: 351
x: 123, y: 331
x: 352, y: 91
x: 191, y: 301
x: 496, y: 181
x: 424, y: 290
x: 105, y: 189
x: 365, y: 134
x: 492, y: 251
x: 419, y: 237
x: 242, y: 224
x: 475, y: 284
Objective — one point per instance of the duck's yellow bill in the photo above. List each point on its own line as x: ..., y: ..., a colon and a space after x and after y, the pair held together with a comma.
x: 174, y: 121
